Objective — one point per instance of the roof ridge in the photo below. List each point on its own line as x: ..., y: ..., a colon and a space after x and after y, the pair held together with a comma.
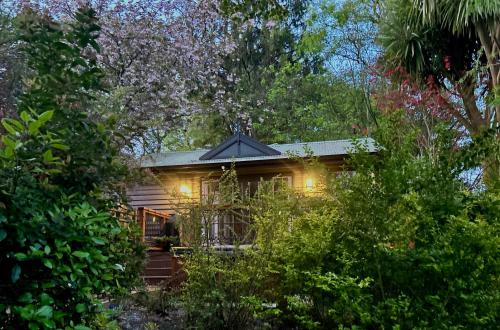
x: 177, y: 152
x: 341, y: 140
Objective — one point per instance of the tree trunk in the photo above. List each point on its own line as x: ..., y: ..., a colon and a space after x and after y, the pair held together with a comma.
x: 490, y: 39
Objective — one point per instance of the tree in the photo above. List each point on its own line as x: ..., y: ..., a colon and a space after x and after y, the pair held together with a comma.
x: 279, y: 87
x: 455, y: 43
x: 11, y: 61
x: 160, y: 58
x: 62, y: 245
x: 266, y: 37
x: 345, y: 32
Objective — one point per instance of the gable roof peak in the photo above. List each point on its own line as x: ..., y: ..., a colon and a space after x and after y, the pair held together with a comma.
x: 238, y: 146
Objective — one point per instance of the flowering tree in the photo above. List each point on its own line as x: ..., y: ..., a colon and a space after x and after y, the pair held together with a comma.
x: 160, y: 57
x: 10, y: 60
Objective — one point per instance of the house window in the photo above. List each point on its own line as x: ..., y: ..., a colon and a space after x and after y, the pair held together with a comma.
x: 232, y: 225
x: 248, y: 185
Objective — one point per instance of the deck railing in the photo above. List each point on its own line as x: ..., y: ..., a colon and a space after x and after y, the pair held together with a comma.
x: 152, y: 223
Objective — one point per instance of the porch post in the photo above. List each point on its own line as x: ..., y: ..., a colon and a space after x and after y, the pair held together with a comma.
x: 141, y: 218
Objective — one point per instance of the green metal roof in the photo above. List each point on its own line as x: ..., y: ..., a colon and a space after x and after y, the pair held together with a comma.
x: 196, y: 157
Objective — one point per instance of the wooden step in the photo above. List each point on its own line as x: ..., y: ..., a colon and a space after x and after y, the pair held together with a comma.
x: 156, y: 276
x: 159, y: 264
x: 159, y: 267
x: 165, y: 259
x: 153, y: 280
x: 160, y: 255
x: 158, y: 272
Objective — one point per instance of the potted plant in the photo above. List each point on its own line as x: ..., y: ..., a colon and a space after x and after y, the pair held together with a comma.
x: 166, y: 242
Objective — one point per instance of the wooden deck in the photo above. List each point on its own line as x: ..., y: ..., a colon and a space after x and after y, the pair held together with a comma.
x: 152, y: 223
x: 161, y: 267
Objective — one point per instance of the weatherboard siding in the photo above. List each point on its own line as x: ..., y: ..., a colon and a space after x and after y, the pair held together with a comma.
x: 164, y: 195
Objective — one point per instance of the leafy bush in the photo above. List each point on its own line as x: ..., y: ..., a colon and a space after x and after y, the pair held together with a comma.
x: 61, y: 246
x: 223, y: 291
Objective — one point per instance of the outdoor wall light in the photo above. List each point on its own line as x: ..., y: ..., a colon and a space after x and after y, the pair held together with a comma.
x: 185, y: 190
x: 309, y: 184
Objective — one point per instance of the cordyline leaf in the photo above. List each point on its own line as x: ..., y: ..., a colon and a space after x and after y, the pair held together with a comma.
x: 3, y: 234
x: 25, y: 116
x: 8, y: 127
x: 44, y: 117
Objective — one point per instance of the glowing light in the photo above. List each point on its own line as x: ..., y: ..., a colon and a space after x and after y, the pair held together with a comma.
x: 309, y: 183
x: 184, y: 189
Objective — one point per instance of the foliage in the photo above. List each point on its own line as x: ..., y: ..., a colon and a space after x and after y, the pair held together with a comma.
x: 344, y: 33
x: 399, y: 243
x: 312, y: 107
x: 159, y: 58
x: 166, y: 242
x: 62, y: 246
x: 299, y: 70
x: 170, y: 65
x: 416, y: 231
x: 221, y: 292
x: 450, y: 42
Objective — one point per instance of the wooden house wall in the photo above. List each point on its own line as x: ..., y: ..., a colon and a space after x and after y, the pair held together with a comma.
x: 162, y: 194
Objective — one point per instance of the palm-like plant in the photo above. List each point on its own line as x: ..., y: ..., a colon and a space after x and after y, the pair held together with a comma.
x: 420, y: 34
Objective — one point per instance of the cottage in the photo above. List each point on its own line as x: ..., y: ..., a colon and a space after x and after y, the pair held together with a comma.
x: 184, y: 178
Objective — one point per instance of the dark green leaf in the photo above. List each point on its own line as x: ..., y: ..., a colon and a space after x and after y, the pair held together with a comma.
x: 44, y: 311
x: 15, y: 273
x: 26, y: 298
x: 81, y: 254
x: 80, y: 308
x: 45, y: 299
x: 47, y: 263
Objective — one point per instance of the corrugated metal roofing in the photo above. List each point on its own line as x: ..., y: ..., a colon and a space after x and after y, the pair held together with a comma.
x: 320, y: 148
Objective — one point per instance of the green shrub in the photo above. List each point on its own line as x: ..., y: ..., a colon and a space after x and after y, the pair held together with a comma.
x: 223, y: 292
x: 61, y: 247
